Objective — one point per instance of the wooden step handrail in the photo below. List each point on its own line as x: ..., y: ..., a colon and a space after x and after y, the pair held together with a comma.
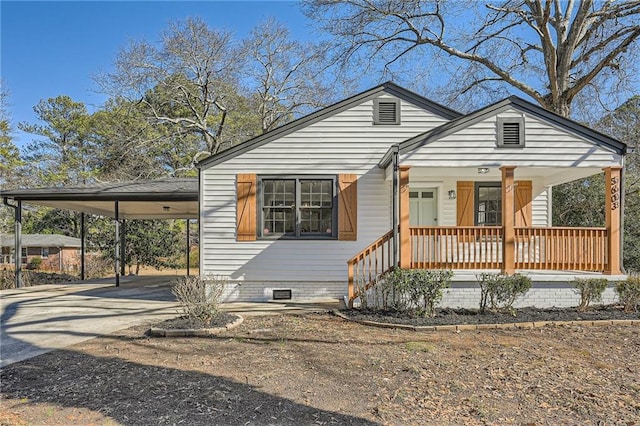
x: 369, y: 264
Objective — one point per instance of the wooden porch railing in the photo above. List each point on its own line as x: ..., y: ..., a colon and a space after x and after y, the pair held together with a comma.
x: 480, y: 247
x: 560, y: 248
x: 456, y: 247
x: 367, y: 266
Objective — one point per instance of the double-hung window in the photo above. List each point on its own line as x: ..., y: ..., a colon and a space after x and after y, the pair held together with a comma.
x: 297, y: 207
x: 488, y: 205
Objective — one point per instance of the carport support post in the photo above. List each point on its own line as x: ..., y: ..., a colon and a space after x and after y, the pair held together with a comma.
x: 123, y: 244
x: 117, y: 256
x: 18, y: 248
x: 188, y: 247
x: 82, y: 248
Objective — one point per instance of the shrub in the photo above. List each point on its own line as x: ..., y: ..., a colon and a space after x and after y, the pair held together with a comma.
x: 500, y: 291
x: 199, y: 297
x: 629, y: 292
x: 411, y: 291
x: 590, y: 290
x: 35, y: 263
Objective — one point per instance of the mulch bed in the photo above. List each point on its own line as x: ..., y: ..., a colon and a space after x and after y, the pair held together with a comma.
x: 471, y: 316
x: 182, y: 323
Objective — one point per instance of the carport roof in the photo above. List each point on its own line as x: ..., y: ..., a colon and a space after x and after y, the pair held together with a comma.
x: 168, y: 198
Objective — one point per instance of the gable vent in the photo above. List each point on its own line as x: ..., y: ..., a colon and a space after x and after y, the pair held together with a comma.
x: 386, y: 112
x: 511, y: 134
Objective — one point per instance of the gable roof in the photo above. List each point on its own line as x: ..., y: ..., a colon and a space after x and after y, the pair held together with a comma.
x: 41, y: 240
x: 464, y: 121
x: 388, y: 87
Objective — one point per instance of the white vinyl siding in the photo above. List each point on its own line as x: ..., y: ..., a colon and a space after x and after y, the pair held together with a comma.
x: 545, y: 146
x: 347, y: 142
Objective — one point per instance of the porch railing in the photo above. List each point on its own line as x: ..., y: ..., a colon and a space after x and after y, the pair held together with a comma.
x: 368, y: 265
x: 456, y: 247
x: 559, y: 248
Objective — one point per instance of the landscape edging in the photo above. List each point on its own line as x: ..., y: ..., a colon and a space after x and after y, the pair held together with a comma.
x: 191, y: 332
x: 469, y: 327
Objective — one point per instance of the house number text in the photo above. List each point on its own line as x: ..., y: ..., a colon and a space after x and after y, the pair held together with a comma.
x: 615, y: 193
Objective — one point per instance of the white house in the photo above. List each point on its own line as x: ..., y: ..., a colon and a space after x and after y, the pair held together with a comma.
x: 387, y: 177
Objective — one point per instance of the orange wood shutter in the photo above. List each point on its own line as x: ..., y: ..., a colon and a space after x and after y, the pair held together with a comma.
x: 465, y: 205
x: 524, y: 191
x: 348, y: 207
x: 246, y: 207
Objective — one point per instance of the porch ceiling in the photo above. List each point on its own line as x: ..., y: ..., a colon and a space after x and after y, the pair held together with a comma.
x: 550, y: 176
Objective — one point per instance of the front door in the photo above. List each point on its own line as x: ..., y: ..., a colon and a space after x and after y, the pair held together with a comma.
x: 423, y: 206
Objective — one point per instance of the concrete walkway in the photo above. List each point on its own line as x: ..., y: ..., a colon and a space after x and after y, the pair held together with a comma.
x: 36, y: 320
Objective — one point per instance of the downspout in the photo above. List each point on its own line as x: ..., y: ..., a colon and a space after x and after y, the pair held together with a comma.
x: 394, y: 202
x: 18, y: 238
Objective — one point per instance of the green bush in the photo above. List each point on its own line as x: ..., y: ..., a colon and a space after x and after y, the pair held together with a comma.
x: 410, y: 291
x: 590, y: 290
x: 35, y: 263
x: 500, y: 291
x: 629, y: 292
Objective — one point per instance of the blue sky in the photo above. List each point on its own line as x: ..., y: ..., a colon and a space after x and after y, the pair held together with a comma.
x: 51, y: 48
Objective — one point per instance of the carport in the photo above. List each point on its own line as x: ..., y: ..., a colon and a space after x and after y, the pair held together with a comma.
x: 171, y: 198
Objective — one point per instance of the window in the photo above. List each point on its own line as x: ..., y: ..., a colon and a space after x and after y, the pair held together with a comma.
x: 297, y: 207
x: 386, y: 111
x: 488, y: 204
x: 510, y: 132
x: 44, y: 252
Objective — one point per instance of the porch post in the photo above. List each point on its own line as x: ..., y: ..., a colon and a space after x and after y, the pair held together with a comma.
x: 405, y: 238
x: 613, y: 207
x: 508, y: 216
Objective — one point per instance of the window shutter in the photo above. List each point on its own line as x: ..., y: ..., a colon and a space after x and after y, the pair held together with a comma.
x: 246, y: 207
x: 465, y: 205
x: 524, y: 191
x: 347, y: 207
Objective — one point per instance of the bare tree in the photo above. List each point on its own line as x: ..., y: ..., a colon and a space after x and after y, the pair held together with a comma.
x: 289, y: 76
x: 182, y: 82
x: 550, y: 50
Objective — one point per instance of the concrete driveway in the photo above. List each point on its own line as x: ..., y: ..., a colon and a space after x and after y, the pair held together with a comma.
x: 40, y: 319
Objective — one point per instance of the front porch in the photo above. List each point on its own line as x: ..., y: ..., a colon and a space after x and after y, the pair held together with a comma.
x: 564, y: 252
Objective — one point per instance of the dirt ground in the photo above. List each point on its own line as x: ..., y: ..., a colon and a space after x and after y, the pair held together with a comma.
x: 317, y: 369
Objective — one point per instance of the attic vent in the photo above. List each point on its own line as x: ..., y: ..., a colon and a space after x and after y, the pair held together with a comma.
x: 510, y: 132
x: 386, y: 111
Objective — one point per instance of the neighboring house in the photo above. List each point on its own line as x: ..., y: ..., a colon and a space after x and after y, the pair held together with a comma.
x: 307, y: 210
x: 58, y: 253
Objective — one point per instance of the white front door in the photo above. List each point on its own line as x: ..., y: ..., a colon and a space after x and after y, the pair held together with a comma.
x: 423, y: 206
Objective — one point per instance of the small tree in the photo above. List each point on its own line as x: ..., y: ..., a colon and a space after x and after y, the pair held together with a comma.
x: 590, y: 290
